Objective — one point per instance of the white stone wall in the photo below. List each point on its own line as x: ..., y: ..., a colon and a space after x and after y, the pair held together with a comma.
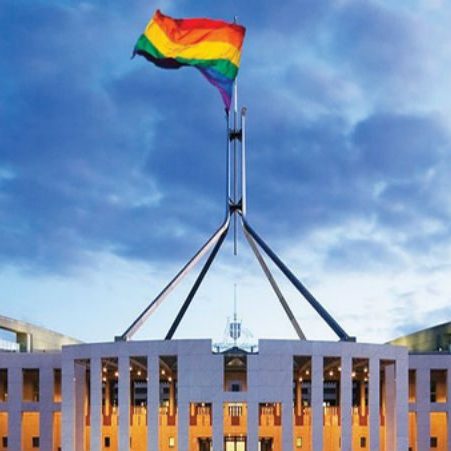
x: 45, y: 362
x: 270, y: 379
x: 423, y: 364
x: 200, y: 379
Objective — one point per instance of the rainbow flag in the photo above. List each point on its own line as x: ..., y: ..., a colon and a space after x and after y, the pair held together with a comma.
x: 212, y: 46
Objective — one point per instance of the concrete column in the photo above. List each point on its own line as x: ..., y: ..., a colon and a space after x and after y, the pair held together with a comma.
x: 183, y: 423
x: 423, y: 388
x: 252, y: 426
x: 298, y: 397
x: 46, y: 409
x: 402, y: 403
x: 390, y: 400
x: 373, y: 403
x: 317, y: 402
x: 68, y: 404
x: 124, y: 402
x: 153, y: 402
x: 171, y: 397
x: 346, y: 403
x: 80, y: 405
x: 287, y: 425
x: 96, y: 404
x: 14, y: 409
x: 218, y: 425
x: 108, y: 407
x: 362, y: 409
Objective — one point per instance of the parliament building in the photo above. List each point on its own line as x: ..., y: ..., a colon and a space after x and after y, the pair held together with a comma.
x: 187, y: 395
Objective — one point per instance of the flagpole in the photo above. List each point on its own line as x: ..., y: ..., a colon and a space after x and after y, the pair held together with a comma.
x: 227, y: 190
x: 243, y: 161
x: 235, y: 163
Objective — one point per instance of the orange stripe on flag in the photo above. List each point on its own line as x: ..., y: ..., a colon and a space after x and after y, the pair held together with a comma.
x: 193, y: 31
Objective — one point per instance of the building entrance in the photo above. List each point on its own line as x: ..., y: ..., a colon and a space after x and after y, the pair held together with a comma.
x: 265, y: 444
x: 204, y: 444
x: 235, y: 443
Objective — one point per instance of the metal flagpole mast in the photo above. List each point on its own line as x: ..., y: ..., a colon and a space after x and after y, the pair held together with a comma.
x: 235, y: 163
x: 227, y: 200
x: 243, y: 161
x: 235, y: 187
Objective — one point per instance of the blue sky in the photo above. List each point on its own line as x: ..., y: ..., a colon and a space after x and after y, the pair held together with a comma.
x: 112, y: 175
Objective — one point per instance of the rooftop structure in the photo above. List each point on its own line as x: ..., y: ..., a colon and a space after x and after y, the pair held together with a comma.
x: 26, y: 337
x: 432, y: 339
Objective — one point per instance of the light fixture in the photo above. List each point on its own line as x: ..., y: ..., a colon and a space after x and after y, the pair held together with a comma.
x: 331, y: 373
x: 365, y: 370
x: 170, y: 379
x: 104, y: 369
x: 139, y: 373
x: 163, y: 372
x: 353, y: 374
x: 116, y: 373
x: 307, y: 372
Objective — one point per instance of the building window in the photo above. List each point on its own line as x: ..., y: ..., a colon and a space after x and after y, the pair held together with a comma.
x: 57, y: 385
x: 30, y: 385
x: 35, y: 442
x: 438, y: 390
x: 362, y: 442
x: 235, y: 371
x: 299, y: 442
x: 107, y: 442
x: 5, y: 442
x: 434, y: 442
x: 3, y: 385
x: 171, y: 442
x: 235, y: 409
x: 412, y: 385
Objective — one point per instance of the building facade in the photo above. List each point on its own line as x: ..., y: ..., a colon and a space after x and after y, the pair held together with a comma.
x: 184, y: 395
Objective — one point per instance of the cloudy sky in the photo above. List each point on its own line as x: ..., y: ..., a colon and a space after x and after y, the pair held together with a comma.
x: 112, y: 174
